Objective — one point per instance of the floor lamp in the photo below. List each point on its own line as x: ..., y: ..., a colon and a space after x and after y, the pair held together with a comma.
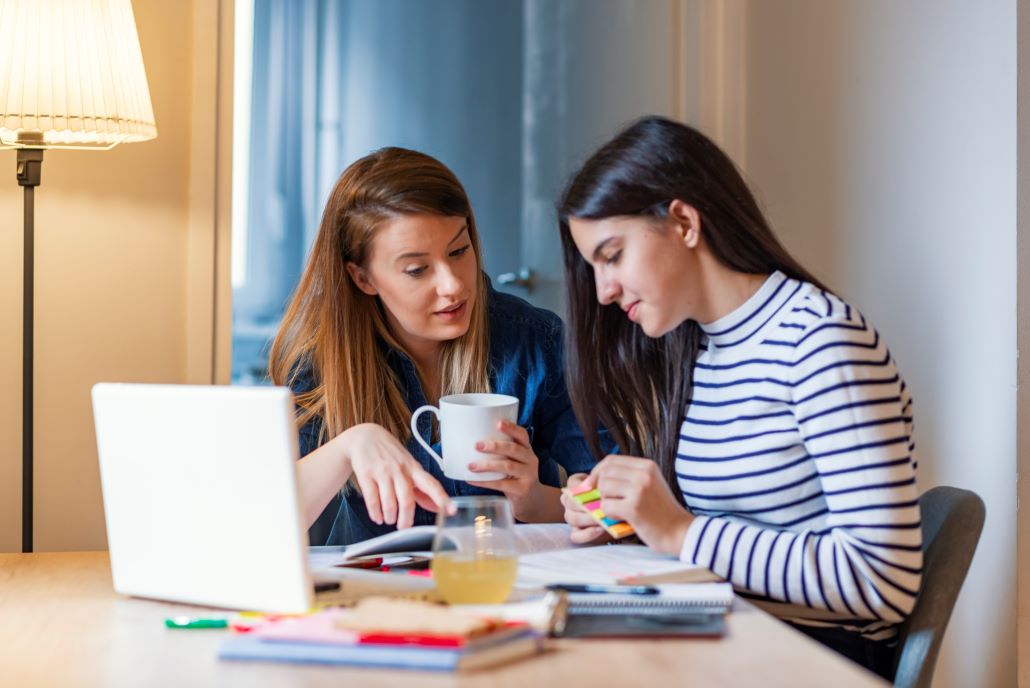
x: 71, y: 77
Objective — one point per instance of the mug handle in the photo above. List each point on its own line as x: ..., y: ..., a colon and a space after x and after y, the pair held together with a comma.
x: 418, y: 436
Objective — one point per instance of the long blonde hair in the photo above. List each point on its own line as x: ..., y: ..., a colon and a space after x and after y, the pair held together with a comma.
x: 334, y: 332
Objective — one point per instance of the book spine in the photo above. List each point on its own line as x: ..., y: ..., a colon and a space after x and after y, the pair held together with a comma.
x: 628, y: 604
x: 647, y: 611
x: 307, y: 653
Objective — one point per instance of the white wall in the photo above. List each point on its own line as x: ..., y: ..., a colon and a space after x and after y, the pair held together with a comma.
x: 881, y: 137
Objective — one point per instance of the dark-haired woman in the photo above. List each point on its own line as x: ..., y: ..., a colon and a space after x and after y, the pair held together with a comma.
x: 767, y: 432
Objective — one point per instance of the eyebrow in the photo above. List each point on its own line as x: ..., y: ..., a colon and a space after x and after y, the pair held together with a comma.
x: 597, y: 249
x: 420, y: 254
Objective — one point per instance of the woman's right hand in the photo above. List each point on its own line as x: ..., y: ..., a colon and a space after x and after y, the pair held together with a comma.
x: 391, y: 481
x: 584, y: 528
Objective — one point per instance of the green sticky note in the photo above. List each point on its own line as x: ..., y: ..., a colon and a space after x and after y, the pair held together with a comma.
x: 194, y: 622
x: 591, y: 496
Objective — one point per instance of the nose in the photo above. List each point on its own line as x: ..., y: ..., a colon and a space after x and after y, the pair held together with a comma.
x: 448, y: 283
x: 608, y: 289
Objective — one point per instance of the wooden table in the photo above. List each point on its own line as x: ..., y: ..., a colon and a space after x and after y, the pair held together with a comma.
x: 61, y: 624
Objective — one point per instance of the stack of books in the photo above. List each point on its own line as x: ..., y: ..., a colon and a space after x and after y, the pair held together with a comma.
x: 387, y: 633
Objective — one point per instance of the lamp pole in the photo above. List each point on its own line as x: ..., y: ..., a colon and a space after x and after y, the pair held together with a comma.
x: 30, y: 163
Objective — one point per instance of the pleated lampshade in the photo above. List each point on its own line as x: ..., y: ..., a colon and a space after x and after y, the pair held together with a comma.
x: 71, y: 75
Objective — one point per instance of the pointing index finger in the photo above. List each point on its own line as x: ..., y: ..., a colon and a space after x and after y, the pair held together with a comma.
x: 429, y: 486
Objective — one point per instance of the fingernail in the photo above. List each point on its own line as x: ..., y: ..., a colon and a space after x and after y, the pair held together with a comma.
x: 474, y: 466
x: 479, y: 446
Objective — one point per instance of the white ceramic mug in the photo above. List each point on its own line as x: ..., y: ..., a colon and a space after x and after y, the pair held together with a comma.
x: 464, y: 420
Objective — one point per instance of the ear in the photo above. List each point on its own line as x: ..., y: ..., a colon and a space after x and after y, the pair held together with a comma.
x: 361, y: 281
x: 687, y: 222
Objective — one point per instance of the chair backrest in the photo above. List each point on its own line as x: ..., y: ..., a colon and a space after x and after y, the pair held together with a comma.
x: 952, y: 520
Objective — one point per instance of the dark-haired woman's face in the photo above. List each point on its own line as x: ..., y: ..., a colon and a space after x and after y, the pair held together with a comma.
x: 644, y: 266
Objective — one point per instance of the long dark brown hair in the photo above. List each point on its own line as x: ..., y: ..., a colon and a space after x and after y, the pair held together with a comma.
x: 331, y: 329
x: 640, y: 387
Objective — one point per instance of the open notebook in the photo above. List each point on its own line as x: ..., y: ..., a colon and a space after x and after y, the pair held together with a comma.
x: 607, y: 564
x: 528, y: 538
x: 546, y: 557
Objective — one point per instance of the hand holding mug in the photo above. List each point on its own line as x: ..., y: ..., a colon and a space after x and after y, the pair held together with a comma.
x: 466, y: 419
x: 484, y: 446
x: 515, y: 460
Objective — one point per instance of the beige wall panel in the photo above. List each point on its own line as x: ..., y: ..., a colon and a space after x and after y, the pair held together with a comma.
x: 111, y: 233
x: 10, y: 354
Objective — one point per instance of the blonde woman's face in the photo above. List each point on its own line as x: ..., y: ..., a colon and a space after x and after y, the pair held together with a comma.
x: 425, y: 271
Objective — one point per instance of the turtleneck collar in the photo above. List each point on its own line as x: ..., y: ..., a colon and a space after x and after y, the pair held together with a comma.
x: 747, y: 319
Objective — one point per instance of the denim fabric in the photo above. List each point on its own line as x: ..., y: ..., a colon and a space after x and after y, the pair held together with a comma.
x: 526, y: 361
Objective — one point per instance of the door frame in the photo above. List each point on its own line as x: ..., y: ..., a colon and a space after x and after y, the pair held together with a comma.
x: 208, y: 284
x: 710, y: 83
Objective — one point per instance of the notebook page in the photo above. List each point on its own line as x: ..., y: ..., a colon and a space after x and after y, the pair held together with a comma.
x: 542, y: 537
x: 601, y: 564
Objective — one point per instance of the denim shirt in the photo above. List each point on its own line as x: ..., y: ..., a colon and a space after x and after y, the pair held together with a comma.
x: 525, y: 361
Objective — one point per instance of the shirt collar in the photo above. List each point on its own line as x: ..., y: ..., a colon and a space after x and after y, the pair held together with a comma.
x: 744, y: 321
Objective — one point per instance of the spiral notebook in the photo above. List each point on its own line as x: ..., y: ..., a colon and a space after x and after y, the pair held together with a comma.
x: 717, y: 597
x: 693, y: 609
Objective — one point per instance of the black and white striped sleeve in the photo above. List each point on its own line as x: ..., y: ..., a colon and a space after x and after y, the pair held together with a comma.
x: 854, y: 417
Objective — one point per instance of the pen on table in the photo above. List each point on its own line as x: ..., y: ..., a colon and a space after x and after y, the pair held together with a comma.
x: 606, y: 589
x: 363, y: 563
x: 195, y: 622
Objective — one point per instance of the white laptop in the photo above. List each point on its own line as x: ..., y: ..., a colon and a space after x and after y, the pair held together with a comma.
x: 200, y: 497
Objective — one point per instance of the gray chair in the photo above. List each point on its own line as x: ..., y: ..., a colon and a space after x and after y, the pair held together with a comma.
x: 952, y: 520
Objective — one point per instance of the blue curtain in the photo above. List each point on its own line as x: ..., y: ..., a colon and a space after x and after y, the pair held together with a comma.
x: 335, y: 79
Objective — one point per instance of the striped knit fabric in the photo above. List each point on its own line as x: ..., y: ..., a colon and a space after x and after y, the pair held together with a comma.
x: 797, y: 458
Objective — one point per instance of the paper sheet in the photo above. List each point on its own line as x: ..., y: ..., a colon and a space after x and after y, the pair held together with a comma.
x: 602, y: 564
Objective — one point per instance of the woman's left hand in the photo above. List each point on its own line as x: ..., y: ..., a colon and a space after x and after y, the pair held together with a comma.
x: 634, y: 490
x: 530, y: 500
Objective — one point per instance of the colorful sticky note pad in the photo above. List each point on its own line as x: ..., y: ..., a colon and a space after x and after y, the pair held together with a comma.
x: 593, y: 495
x: 590, y: 498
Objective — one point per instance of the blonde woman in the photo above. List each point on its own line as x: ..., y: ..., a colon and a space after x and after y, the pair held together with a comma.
x: 393, y: 311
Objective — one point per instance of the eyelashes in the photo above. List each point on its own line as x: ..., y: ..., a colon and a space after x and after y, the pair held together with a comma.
x: 419, y: 271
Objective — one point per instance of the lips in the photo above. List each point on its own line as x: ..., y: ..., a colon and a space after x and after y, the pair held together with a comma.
x: 631, y: 311
x: 451, y: 312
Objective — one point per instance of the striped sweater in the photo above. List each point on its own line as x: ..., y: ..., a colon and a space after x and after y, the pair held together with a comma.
x: 797, y: 458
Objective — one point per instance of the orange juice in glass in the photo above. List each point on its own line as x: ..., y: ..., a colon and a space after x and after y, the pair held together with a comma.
x: 474, y: 555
